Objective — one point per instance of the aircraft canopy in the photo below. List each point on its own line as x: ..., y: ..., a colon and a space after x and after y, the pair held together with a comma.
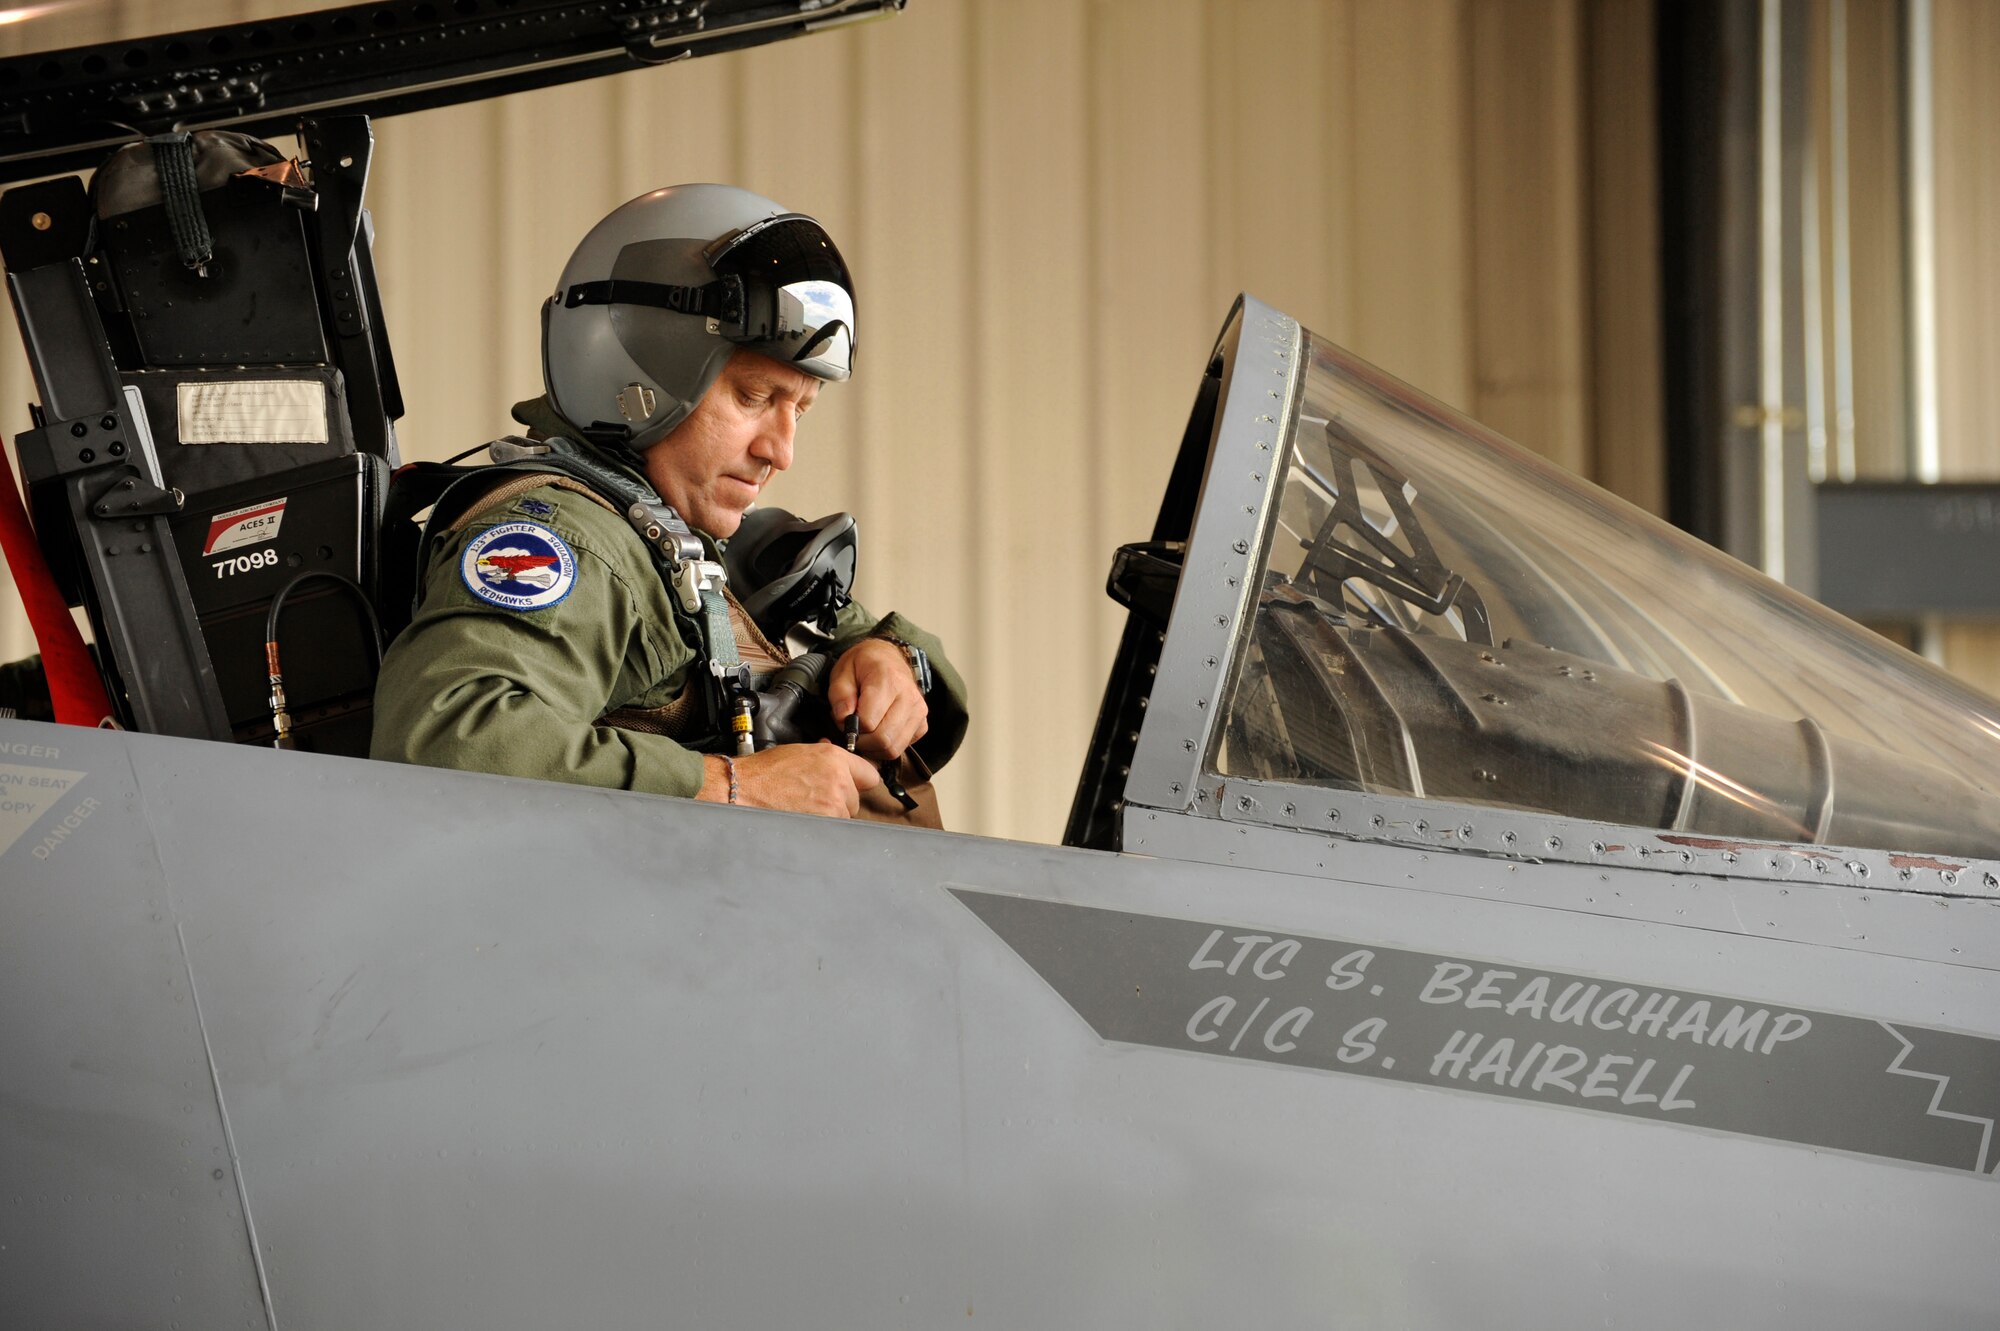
x: 1440, y: 613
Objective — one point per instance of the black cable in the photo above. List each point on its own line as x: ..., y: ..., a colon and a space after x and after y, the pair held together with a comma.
x: 281, y: 719
x: 460, y: 457
x: 367, y: 607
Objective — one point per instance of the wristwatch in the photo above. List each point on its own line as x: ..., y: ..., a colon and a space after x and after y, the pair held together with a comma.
x: 920, y: 664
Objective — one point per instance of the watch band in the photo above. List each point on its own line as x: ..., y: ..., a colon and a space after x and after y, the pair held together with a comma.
x: 920, y: 663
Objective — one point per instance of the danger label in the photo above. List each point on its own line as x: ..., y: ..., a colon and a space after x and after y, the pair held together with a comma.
x: 239, y: 527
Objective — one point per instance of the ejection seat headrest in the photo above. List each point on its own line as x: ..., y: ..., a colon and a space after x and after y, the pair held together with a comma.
x: 130, y: 179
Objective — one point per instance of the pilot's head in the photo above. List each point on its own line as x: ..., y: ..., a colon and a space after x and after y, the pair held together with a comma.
x: 694, y: 325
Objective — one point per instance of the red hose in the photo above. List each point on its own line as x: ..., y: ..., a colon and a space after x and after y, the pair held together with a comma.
x: 74, y: 685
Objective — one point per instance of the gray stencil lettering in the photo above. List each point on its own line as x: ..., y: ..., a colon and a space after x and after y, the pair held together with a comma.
x: 1618, y: 1047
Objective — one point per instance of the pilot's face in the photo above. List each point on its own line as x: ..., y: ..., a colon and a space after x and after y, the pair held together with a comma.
x: 714, y: 464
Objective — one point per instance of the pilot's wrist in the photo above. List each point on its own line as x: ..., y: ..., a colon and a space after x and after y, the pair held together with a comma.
x: 919, y: 660
x: 719, y: 780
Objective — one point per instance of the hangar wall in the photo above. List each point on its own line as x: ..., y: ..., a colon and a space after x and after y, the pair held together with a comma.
x: 1049, y: 205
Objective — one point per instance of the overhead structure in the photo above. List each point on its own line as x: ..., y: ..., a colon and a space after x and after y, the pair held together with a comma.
x: 64, y: 110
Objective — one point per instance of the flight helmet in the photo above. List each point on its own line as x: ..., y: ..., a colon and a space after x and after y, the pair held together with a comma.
x: 661, y: 291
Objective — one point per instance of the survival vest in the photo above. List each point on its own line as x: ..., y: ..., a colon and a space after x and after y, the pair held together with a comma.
x: 430, y: 497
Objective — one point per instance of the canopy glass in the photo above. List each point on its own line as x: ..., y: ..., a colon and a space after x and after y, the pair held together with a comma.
x: 1443, y: 614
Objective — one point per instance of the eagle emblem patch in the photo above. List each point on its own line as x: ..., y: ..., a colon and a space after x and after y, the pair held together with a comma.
x: 518, y: 566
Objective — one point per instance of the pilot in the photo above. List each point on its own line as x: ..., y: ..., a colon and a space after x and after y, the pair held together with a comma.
x: 570, y: 624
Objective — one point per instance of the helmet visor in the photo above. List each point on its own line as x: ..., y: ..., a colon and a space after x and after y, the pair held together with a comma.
x: 798, y: 297
x: 813, y: 329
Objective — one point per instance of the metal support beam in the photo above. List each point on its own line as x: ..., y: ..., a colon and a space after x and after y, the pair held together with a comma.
x: 88, y: 464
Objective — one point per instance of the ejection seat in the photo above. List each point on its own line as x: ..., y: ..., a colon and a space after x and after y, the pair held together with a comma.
x: 216, y: 426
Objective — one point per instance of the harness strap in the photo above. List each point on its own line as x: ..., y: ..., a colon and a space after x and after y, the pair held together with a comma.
x: 758, y: 651
x: 699, y: 586
x: 173, y: 158
x: 698, y: 583
x: 754, y: 649
x: 681, y: 719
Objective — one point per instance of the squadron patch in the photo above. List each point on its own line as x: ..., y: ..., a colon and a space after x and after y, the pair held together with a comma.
x: 518, y: 566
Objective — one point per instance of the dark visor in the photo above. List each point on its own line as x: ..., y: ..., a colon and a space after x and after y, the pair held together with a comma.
x: 781, y: 289
x: 797, y: 293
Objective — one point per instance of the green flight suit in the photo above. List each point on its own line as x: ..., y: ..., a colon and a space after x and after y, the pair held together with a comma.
x: 484, y: 687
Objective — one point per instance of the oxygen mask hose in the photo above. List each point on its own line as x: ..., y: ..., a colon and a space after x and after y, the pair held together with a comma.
x: 740, y: 721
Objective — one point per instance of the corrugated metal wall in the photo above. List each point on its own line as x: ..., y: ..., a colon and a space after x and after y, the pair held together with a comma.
x: 1049, y: 205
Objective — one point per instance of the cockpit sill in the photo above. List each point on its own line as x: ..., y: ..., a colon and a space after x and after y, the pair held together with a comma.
x: 1528, y: 837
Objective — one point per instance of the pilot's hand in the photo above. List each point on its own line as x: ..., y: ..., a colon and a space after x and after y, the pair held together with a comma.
x: 818, y: 778
x: 873, y: 678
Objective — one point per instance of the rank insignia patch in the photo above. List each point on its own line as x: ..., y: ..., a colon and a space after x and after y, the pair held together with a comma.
x: 535, y: 508
x: 518, y: 566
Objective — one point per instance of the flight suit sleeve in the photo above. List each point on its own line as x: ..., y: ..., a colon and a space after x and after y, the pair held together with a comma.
x: 516, y: 689
x: 950, y: 713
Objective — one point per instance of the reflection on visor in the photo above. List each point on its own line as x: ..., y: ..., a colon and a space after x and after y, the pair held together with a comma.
x: 814, y: 329
x: 799, y: 309
x: 780, y: 289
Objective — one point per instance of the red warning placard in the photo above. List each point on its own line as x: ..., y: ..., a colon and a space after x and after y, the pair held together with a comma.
x: 244, y: 526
